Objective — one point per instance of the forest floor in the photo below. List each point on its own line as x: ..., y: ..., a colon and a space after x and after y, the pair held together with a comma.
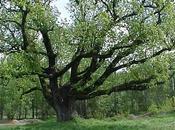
x: 157, y: 122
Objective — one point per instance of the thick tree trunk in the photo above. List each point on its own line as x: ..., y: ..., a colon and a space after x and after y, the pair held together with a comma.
x: 63, y: 106
x: 59, y: 99
x: 64, y: 110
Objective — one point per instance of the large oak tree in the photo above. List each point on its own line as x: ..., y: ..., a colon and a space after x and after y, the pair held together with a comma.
x: 72, y: 61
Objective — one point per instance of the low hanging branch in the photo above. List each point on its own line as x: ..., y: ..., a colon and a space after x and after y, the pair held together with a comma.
x: 31, y: 90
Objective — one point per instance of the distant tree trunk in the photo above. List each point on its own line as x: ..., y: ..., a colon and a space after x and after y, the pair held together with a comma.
x: 36, y: 112
x: 44, y: 110
x: 115, y: 99
x: 84, y: 108
x: 20, y: 112
x: 1, y: 112
x: 1, y: 117
x: 25, y: 113
x: 81, y: 108
x: 33, y: 109
x: 132, y: 103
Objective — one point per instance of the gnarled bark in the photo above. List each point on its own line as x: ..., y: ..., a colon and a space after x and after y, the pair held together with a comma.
x: 64, y: 109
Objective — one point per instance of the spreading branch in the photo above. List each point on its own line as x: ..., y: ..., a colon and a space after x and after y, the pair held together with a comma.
x: 111, y: 69
x: 49, y: 48
x: 30, y: 91
x: 136, y: 85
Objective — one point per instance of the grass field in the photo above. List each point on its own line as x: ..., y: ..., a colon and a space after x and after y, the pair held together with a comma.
x: 159, y: 122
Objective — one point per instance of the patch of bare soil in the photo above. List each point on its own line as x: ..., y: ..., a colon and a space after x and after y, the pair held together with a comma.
x: 19, y: 122
x: 133, y: 117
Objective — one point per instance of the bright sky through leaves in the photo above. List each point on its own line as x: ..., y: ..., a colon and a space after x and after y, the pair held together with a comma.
x: 62, y: 7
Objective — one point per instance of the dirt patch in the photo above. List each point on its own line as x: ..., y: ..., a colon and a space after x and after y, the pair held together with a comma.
x: 20, y: 122
x: 133, y: 117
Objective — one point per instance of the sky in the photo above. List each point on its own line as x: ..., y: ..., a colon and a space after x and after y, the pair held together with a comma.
x: 61, y: 5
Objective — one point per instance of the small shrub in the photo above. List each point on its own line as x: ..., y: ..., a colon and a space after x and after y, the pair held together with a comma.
x: 153, y: 109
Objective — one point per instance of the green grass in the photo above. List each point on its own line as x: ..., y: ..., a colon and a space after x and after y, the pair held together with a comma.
x: 160, y: 122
